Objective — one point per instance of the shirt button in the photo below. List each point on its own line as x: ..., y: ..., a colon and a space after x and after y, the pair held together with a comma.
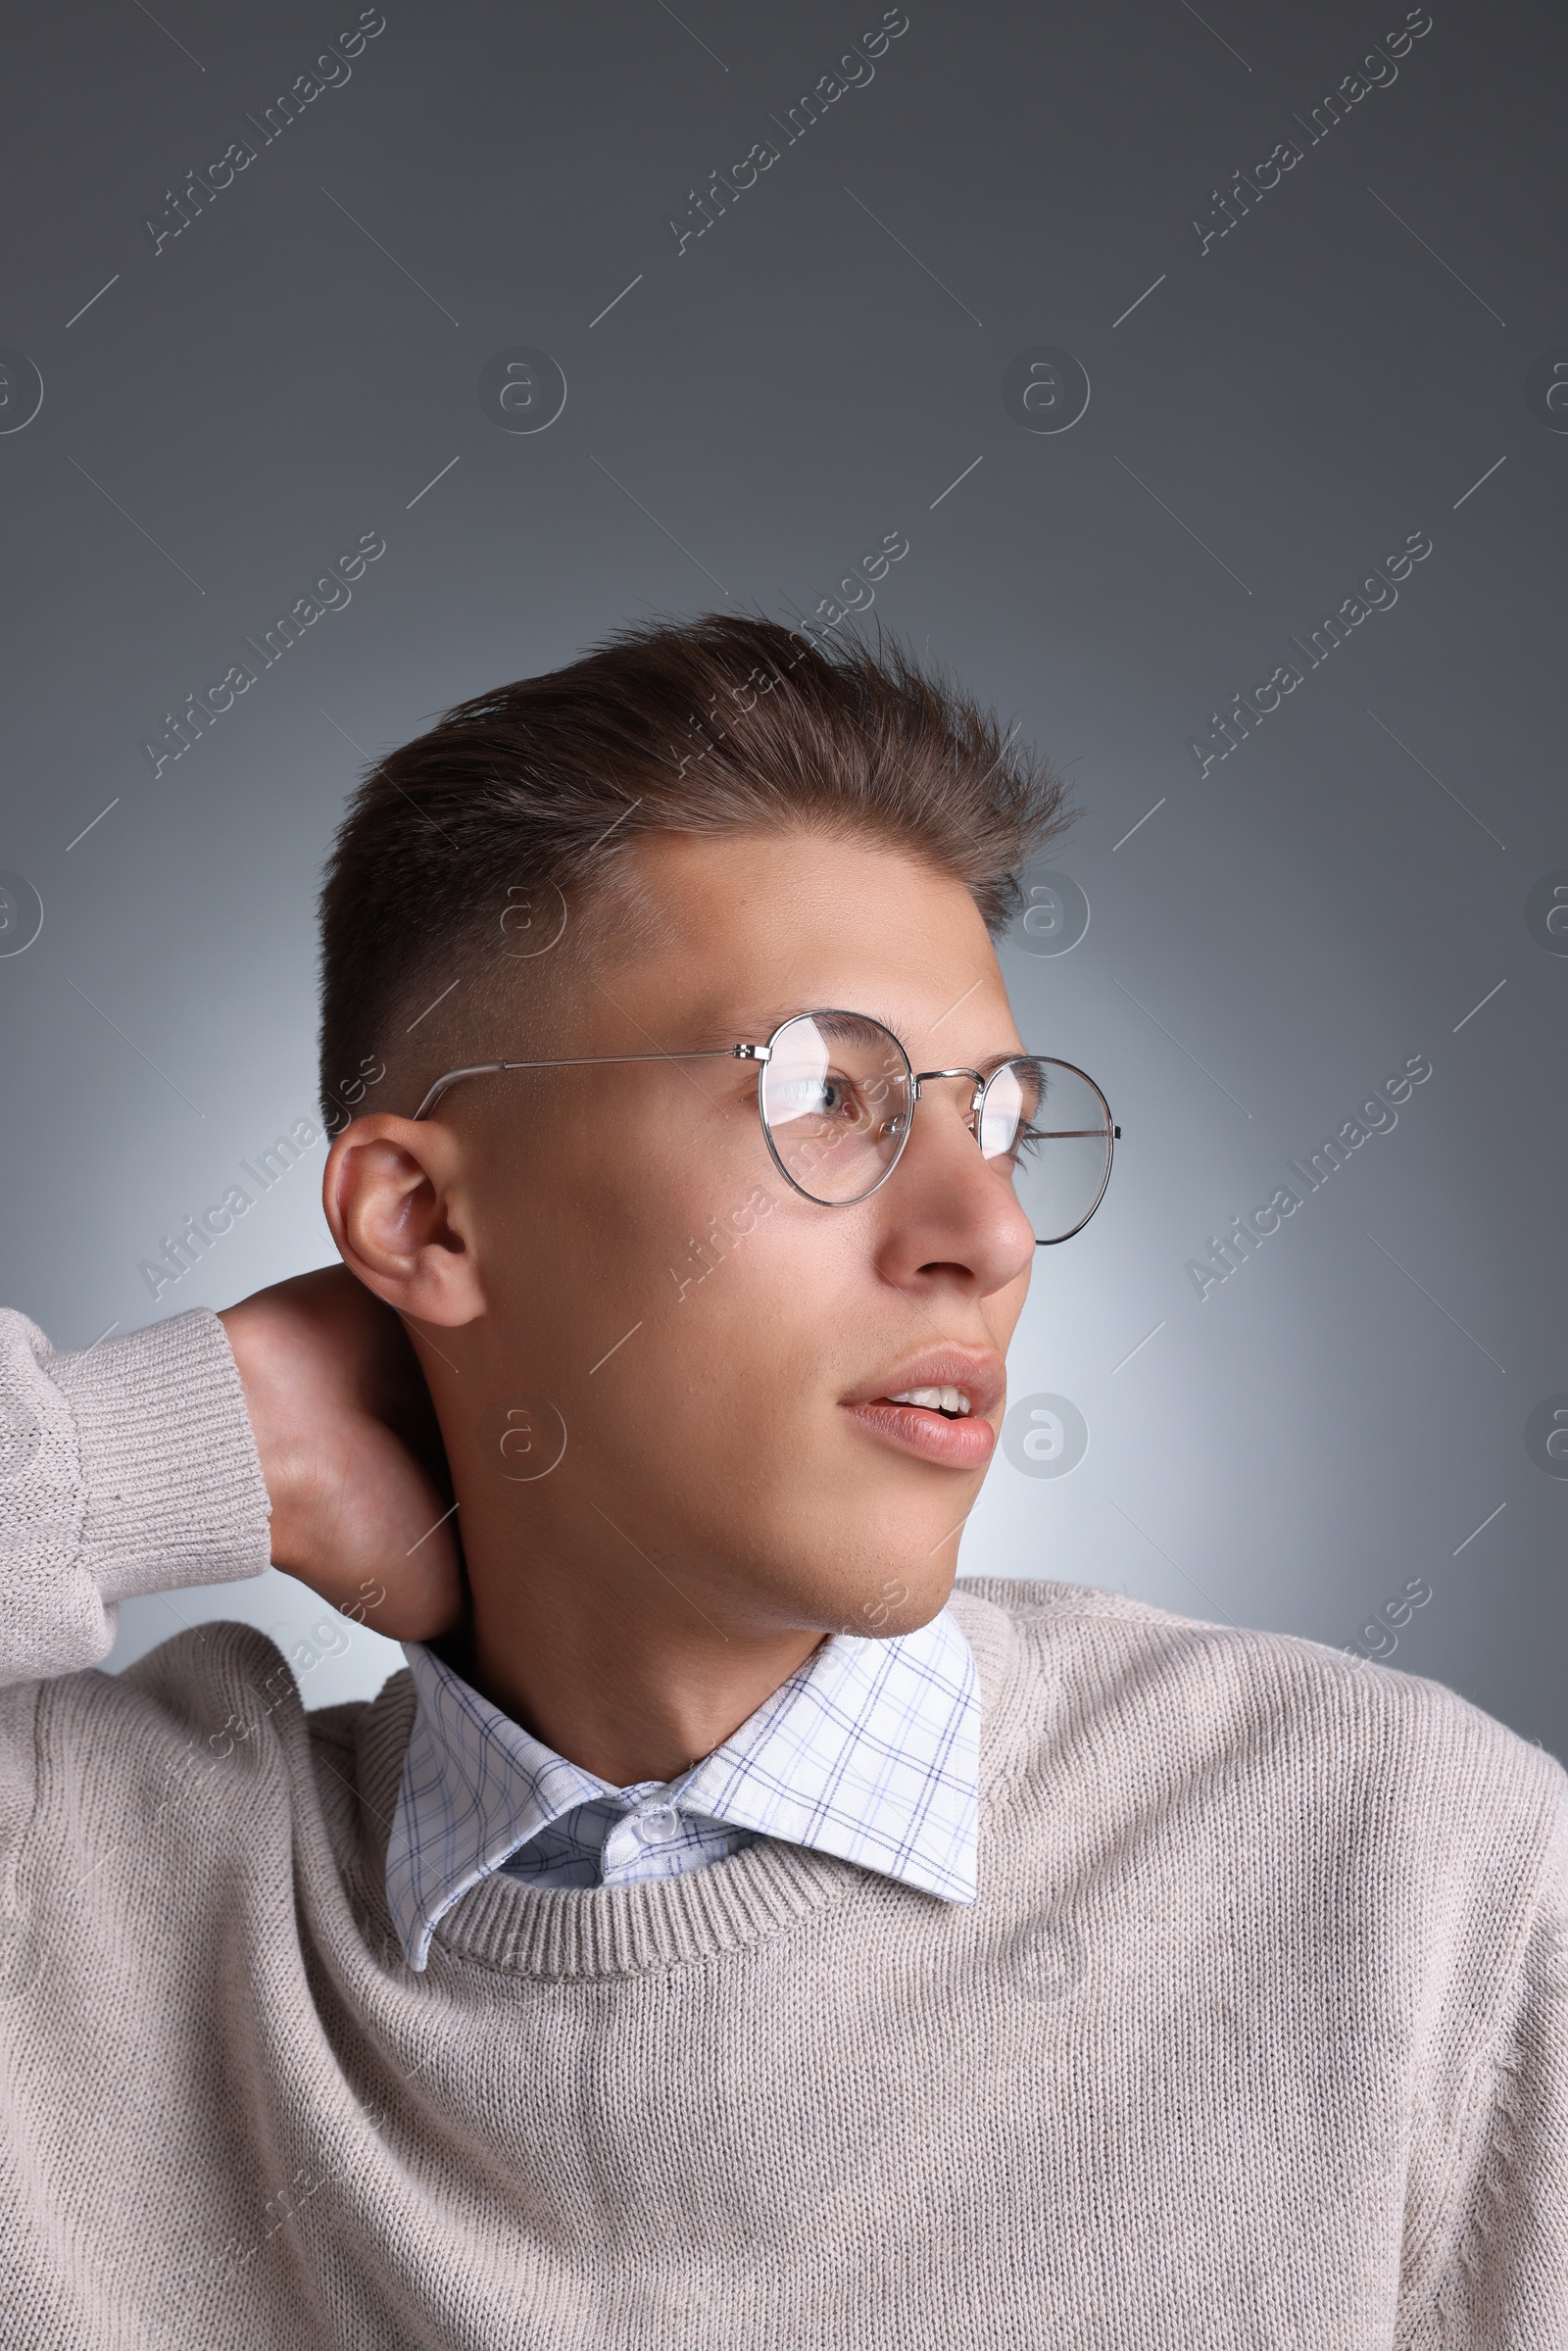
x: 657, y: 1823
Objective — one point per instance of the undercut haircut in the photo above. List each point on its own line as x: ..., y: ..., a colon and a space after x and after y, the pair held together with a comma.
x: 514, y: 814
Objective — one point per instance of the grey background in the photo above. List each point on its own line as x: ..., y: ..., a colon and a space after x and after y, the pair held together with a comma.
x: 747, y: 420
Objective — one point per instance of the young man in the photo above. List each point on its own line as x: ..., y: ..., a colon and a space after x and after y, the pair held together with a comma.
x: 725, y: 1932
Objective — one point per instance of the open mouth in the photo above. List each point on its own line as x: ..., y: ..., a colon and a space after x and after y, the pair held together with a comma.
x: 951, y: 1403
x: 942, y: 1413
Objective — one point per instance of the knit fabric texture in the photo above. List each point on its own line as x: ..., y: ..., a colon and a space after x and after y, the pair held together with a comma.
x: 1254, y: 2035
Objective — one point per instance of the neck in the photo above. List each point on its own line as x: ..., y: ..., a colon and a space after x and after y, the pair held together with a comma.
x: 620, y: 1665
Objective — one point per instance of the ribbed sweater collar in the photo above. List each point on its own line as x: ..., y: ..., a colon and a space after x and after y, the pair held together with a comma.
x: 603, y: 1931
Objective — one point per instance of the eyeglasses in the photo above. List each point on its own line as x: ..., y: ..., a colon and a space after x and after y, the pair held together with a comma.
x: 836, y: 1095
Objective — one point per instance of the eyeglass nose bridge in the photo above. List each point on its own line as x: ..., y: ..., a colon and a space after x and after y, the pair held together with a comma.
x: 919, y: 1077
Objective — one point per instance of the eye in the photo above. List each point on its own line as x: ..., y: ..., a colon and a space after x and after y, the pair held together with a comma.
x: 813, y: 1094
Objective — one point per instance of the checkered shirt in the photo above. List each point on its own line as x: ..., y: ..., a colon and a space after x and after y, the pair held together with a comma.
x: 870, y: 1751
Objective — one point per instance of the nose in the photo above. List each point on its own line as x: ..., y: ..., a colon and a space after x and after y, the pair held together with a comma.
x: 948, y: 1214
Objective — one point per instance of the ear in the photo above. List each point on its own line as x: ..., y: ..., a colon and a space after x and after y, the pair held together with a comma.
x: 394, y: 1197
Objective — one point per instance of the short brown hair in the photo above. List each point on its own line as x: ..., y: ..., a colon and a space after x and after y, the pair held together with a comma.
x: 719, y: 724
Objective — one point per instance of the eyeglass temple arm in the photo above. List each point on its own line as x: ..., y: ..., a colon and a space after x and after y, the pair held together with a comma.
x: 719, y: 1053
x: 487, y: 1069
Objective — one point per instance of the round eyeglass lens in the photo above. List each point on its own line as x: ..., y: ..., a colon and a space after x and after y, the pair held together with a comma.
x: 1048, y: 1128
x: 835, y: 1096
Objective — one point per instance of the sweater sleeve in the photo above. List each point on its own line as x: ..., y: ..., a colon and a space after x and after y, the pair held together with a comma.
x: 1503, y: 2281
x: 127, y: 1467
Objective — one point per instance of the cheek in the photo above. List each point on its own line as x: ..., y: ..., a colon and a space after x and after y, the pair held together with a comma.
x: 742, y: 1318
x: 633, y: 1229
x: 749, y: 1295
x: 717, y: 1321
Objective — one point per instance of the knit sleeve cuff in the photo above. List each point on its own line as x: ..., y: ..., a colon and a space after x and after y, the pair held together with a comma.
x: 174, y: 1485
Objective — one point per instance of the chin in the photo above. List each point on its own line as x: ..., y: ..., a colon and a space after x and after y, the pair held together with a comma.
x: 889, y: 1597
x: 839, y: 1551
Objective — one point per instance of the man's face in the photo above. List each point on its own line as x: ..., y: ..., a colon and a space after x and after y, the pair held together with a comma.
x: 715, y: 1346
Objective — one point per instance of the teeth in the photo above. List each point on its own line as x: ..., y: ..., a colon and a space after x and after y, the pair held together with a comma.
x: 935, y: 1400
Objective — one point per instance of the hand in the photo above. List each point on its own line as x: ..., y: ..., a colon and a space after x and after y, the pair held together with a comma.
x: 351, y: 1452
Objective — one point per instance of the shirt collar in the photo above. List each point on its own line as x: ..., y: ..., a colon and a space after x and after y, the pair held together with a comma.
x: 870, y: 1751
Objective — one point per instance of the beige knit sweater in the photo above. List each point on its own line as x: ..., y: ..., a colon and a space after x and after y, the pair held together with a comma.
x: 1257, y: 2034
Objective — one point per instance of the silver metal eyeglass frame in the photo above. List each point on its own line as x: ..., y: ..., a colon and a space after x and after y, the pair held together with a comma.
x: 762, y: 1055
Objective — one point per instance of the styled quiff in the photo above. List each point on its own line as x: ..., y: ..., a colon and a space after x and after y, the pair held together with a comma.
x: 720, y: 725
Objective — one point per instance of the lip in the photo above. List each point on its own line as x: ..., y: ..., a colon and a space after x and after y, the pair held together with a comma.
x: 966, y: 1443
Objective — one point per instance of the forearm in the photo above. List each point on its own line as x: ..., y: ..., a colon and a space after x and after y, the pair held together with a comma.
x: 127, y: 1467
